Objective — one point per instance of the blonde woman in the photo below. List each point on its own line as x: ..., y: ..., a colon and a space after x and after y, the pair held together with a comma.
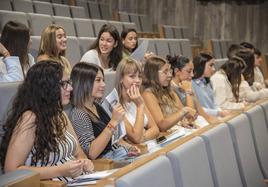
x: 139, y: 123
x: 53, y: 45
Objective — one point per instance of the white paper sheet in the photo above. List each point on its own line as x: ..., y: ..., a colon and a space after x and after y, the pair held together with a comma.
x: 108, y: 103
x: 90, y: 178
x: 139, y: 53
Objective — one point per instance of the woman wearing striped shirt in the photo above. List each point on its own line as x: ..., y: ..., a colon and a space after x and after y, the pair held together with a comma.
x: 92, y: 124
x: 38, y: 135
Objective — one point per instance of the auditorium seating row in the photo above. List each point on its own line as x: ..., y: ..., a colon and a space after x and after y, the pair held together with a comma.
x: 84, y: 9
x: 233, y: 153
x: 74, y: 26
x: 170, y: 31
x: 229, y: 154
x: 142, y: 21
x: 77, y: 46
x: 219, y: 47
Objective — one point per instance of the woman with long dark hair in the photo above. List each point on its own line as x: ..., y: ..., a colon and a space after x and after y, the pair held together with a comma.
x: 38, y: 135
x: 249, y: 90
x: 15, y: 38
x: 182, y: 84
x: 106, y: 51
x: 204, y: 68
x: 92, y: 124
x: 226, y: 84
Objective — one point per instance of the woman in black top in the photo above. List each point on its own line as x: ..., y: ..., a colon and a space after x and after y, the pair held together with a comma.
x: 92, y: 124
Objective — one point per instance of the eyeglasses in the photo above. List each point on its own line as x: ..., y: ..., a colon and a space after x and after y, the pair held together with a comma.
x: 64, y: 83
x: 166, y: 72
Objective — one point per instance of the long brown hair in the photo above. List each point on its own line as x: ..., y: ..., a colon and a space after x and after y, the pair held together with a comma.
x: 41, y: 95
x: 116, y: 54
x: 83, y: 77
x: 48, y: 44
x: 234, y: 68
x: 15, y: 37
x: 151, y: 79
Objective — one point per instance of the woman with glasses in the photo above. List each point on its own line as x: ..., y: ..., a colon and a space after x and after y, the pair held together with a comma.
x: 53, y: 45
x: 204, y: 67
x: 163, y: 103
x: 139, y: 123
x: 226, y: 84
x: 182, y: 70
x: 38, y: 134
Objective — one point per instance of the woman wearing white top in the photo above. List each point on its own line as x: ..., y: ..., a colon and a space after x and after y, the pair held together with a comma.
x: 15, y: 38
x: 10, y: 68
x: 226, y: 84
x: 106, y: 51
x: 139, y: 123
x: 259, y: 81
x: 248, y: 90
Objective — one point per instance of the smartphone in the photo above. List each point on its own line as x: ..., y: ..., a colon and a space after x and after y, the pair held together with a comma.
x: 161, y: 139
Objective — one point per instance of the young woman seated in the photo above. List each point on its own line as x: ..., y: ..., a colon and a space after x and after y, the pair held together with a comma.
x: 163, y: 103
x: 38, y: 134
x: 182, y: 84
x: 204, y: 68
x: 226, y: 84
x: 139, y: 123
x: 92, y: 124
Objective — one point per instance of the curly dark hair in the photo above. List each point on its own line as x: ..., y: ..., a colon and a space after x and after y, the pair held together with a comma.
x: 40, y: 93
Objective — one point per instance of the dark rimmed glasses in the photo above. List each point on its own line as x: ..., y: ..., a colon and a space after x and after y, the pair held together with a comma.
x: 64, y: 83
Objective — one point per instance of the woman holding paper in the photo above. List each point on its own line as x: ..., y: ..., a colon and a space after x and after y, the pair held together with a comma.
x: 139, y: 123
x: 163, y: 103
x: 38, y: 135
x: 92, y: 124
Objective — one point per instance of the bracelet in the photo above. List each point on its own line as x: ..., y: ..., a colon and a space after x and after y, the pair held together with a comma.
x: 111, y: 127
x: 185, y: 111
x: 189, y: 92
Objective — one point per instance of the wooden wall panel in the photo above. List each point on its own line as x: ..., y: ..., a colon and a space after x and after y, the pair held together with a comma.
x: 223, y: 19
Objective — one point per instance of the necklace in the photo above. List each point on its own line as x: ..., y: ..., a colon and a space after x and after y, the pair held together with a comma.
x: 104, y: 62
x: 93, y: 109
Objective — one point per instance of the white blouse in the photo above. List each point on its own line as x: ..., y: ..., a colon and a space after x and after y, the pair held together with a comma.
x: 223, y: 92
x: 131, y: 112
